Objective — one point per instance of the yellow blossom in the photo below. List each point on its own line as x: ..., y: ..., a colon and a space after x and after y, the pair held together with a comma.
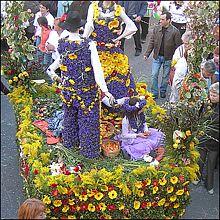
x: 161, y: 202
x: 191, y: 145
x: 174, y: 180
x: 57, y: 203
x: 162, y: 181
x: 175, y: 146
x: 176, y: 205
x: 173, y: 198
x: 121, y: 207
x: 155, y: 189
x: 45, y: 157
x: 46, y: 200
x: 169, y: 189
x: 72, y: 81
x: 148, y: 181
x: 112, y: 194
x: 101, y: 22
x: 98, y: 196
x: 140, y: 193
x: 137, y: 205
x: 65, y: 208
x: 177, y: 141
x: 71, y: 202
x: 91, y: 207
x: 138, y: 184
x: 72, y: 56
x: 87, y: 69
x: 10, y: 81
x: 71, y: 217
x: 148, y: 204
x: 102, y: 206
x: 180, y: 192
x: 83, y: 197
x: 63, y: 68
x: 188, y: 133
x: 15, y: 78
x: 94, y: 34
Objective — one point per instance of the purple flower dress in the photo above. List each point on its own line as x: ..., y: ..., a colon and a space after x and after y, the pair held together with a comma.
x: 137, y: 147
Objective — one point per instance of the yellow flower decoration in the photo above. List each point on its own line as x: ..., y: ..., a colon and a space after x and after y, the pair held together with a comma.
x: 188, y: 133
x: 162, y: 181
x: 71, y: 217
x: 72, y: 56
x: 173, y: 198
x: 138, y: 184
x: 128, y: 81
x: 102, y: 206
x: 118, y: 10
x: 148, y: 181
x: 65, y: 208
x: 148, y: 204
x: 175, y: 146
x: 180, y: 192
x: 140, y: 193
x: 98, y: 196
x: 83, y: 197
x: 169, y: 189
x: 101, y: 22
x: 176, y: 205
x: 112, y: 194
x: 174, y: 180
x: 94, y: 34
x: 113, y: 24
x: 161, y: 202
x: 63, y: 68
x: 57, y: 203
x: 177, y: 141
x: 10, y: 81
x: 137, y: 205
x: 15, y: 78
x: 46, y: 200
x: 71, y: 202
x: 91, y: 207
x: 191, y: 145
x: 87, y: 69
x: 72, y: 81
x: 121, y: 207
x: 155, y: 189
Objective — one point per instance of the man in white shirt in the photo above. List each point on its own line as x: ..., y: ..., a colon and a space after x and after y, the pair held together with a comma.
x: 44, y: 11
x: 81, y: 73
x: 55, y: 35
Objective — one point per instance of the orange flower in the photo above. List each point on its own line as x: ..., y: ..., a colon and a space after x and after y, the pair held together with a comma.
x: 113, y: 24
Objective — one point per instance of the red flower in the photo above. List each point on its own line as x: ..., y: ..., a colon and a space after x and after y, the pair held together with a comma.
x: 111, y: 207
x: 64, y: 217
x: 54, y: 185
x: 114, y: 73
x: 11, y: 72
x: 67, y: 172
x: 54, y: 192
x: 97, y: 208
x: 26, y: 170
x: 76, y: 169
x: 58, y: 91
x: 16, y: 17
x: 110, y: 188
x: 56, y: 210
x: 154, y: 204
x: 181, y: 178
x: 72, y: 208
x: 84, y: 207
x: 65, y: 201
x: 143, y: 205
x: 36, y: 172
x: 155, y: 183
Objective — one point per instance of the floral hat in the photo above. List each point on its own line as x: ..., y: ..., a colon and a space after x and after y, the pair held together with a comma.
x: 127, y: 107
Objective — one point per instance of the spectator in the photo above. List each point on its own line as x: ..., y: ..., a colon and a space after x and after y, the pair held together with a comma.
x: 81, y: 7
x: 210, y: 148
x: 32, y: 209
x: 216, y: 61
x: 43, y: 23
x: 146, y: 20
x: 178, y: 17
x: 164, y: 41
x: 179, y: 63
x: 208, y: 70
x: 135, y: 10
x: 53, y: 8
x: 54, y: 36
x: 44, y: 11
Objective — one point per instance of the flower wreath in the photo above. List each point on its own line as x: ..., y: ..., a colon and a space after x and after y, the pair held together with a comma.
x: 138, y: 106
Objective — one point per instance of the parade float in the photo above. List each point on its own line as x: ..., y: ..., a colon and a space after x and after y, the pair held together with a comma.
x: 73, y: 187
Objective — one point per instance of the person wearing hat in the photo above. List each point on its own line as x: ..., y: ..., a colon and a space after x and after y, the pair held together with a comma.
x: 138, y: 141
x: 81, y: 75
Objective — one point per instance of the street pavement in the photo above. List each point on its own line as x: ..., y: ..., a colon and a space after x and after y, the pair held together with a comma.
x: 203, y: 205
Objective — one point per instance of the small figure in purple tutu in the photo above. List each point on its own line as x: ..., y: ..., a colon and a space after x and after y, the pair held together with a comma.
x: 137, y: 139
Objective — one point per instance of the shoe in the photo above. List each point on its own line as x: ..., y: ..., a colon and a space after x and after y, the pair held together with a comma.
x: 195, y: 182
x: 211, y: 191
x: 137, y: 53
x: 143, y: 41
x: 163, y: 95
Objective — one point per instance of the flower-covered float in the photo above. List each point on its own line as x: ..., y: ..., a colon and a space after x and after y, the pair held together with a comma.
x: 73, y: 187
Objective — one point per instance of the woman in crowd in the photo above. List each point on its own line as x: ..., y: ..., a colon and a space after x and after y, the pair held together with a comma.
x: 179, y: 63
x: 32, y: 209
x: 210, y: 148
x: 137, y: 139
x: 104, y: 26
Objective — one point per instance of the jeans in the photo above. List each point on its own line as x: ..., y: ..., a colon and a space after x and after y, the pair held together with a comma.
x: 155, y: 73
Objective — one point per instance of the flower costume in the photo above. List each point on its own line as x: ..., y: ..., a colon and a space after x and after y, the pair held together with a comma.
x: 81, y: 74
x: 132, y: 125
x: 103, y: 26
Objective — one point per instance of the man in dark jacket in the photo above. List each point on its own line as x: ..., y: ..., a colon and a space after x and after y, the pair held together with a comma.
x: 164, y: 41
x: 135, y: 10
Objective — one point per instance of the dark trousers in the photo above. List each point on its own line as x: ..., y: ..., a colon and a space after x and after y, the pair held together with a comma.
x: 211, y: 162
x: 180, y: 27
x: 136, y: 36
x: 144, y: 27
